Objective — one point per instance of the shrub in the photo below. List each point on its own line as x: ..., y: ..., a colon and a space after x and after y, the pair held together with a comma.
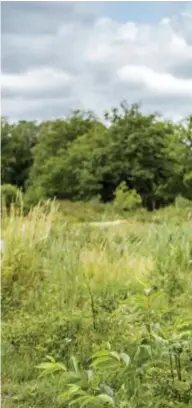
x: 126, y: 199
x: 33, y: 196
x: 182, y: 202
x: 10, y: 194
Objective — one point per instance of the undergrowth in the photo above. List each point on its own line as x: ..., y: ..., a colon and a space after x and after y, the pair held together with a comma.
x: 104, y: 314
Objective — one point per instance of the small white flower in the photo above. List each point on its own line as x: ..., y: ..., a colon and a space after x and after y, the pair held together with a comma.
x: 147, y: 291
x: 156, y: 325
x: 67, y: 340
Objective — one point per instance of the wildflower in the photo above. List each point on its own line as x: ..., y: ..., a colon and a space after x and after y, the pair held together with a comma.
x: 147, y: 291
x: 67, y: 340
x: 156, y: 326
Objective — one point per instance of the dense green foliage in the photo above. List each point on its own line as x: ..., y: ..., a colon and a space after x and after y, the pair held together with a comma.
x: 80, y: 157
x: 9, y: 194
x: 17, y: 142
x: 126, y: 199
x: 110, y: 306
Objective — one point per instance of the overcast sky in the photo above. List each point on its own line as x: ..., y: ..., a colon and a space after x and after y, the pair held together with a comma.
x: 58, y: 56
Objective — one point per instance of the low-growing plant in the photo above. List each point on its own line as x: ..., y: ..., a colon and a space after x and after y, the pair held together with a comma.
x: 105, y: 380
x: 83, y: 387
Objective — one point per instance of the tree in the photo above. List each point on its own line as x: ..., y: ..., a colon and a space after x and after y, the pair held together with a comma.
x: 17, y: 142
x: 79, y: 157
x: 139, y: 154
x: 56, y: 162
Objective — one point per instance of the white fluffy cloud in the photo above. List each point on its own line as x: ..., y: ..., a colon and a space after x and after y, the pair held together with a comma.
x: 79, y: 60
x: 160, y: 83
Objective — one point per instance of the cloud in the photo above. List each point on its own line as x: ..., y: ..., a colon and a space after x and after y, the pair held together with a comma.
x: 34, y: 18
x: 61, y: 56
x: 160, y: 83
x: 37, y: 83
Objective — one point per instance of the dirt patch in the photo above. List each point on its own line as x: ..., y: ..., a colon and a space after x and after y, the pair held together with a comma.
x: 108, y: 223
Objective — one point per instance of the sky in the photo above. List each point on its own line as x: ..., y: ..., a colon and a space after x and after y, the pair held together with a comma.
x: 60, y: 56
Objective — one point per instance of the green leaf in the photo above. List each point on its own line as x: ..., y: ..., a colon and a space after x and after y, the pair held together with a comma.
x: 89, y: 375
x: 100, y: 354
x: 50, y: 358
x: 75, y: 364
x: 125, y: 358
x: 84, y: 400
x: 106, y: 399
x: 50, y: 368
x: 73, y: 389
x: 87, y: 401
x: 107, y: 390
x: 186, y: 333
x: 64, y: 396
x: 108, y: 345
x: 99, y: 361
x: 115, y: 355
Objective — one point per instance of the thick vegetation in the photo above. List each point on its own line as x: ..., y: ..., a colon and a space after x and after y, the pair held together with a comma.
x: 81, y: 158
x: 110, y: 307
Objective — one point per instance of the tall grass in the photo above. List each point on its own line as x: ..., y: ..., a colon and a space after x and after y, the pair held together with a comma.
x: 24, y: 239
x: 68, y: 288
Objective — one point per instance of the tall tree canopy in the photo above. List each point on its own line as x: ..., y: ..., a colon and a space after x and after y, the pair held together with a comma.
x: 81, y: 156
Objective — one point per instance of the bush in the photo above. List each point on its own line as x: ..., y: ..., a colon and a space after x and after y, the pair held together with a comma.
x: 33, y: 196
x: 10, y: 194
x: 182, y: 202
x: 126, y: 199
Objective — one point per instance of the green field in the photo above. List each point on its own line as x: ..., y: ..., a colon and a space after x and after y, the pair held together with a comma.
x: 70, y: 289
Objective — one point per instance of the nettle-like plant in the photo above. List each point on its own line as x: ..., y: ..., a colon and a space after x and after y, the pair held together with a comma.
x: 168, y: 344
x: 83, y: 386
x: 158, y: 367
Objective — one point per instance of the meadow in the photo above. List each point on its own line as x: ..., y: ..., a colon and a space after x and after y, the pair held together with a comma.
x: 97, y: 317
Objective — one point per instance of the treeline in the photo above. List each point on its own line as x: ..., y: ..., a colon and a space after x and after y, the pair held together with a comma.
x: 82, y: 157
